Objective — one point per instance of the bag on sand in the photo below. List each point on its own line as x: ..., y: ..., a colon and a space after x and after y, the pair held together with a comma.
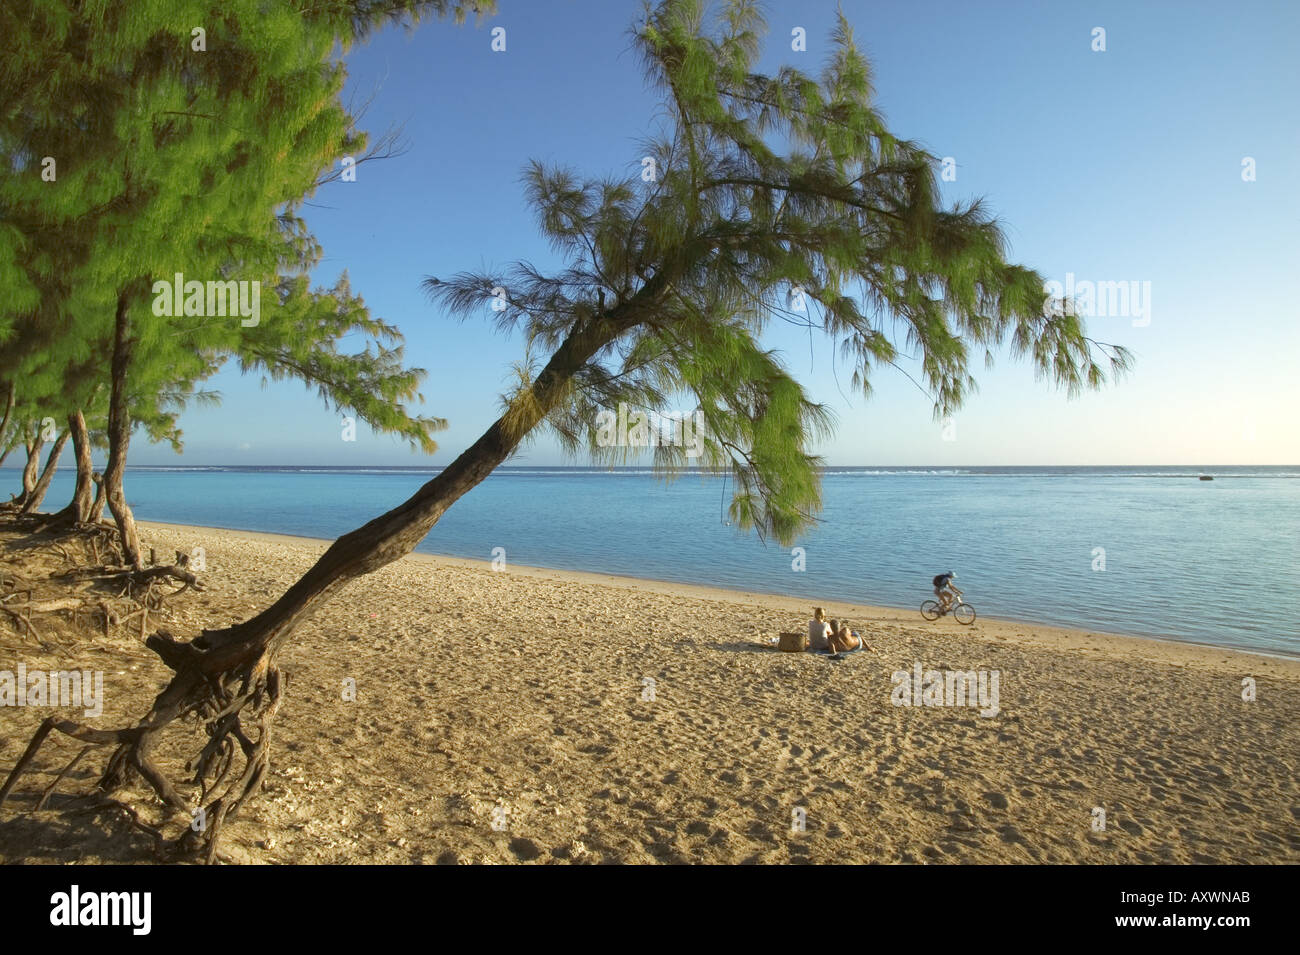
x: 792, y: 642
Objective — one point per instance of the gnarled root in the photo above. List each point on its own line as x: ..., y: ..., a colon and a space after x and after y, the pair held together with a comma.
x: 135, y: 577
x: 235, y: 691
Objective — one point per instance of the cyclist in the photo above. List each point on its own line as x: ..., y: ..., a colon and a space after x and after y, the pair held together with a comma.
x: 945, y: 591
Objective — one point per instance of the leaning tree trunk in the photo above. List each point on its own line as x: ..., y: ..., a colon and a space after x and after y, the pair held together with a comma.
x: 34, y: 446
x: 119, y: 433
x: 229, y: 678
x: 78, y: 509
x: 5, y: 448
x: 42, y: 486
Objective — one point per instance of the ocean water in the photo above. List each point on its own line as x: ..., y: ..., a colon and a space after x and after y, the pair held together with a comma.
x: 1203, y: 561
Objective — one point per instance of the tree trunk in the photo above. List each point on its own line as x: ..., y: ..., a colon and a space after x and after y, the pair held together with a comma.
x: 38, y: 492
x: 78, y: 509
x: 83, y: 492
x: 97, y: 509
x: 34, y: 446
x: 396, y: 533
x: 4, y: 424
x: 119, y: 433
x: 228, y: 679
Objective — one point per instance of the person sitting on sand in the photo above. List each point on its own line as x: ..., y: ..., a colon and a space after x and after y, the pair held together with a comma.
x: 819, y: 631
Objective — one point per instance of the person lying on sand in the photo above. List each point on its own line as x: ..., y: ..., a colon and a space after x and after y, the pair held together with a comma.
x: 843, y: 639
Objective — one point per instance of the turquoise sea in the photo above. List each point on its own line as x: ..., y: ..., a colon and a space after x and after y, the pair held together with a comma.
x: 1204, y: 561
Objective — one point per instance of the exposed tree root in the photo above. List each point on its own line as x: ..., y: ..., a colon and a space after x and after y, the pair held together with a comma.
x: 58, y: 779
x: 227, y: 683
x: 133, y: 577
x: 232, y: 688
x: 23, y: 599
x: 22, y: 623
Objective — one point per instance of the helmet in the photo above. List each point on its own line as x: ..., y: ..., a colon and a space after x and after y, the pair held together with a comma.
x: 952, y: 575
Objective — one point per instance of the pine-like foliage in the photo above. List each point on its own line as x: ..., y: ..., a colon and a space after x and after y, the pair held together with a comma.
x: 764, y: 191
x: 172, y: 159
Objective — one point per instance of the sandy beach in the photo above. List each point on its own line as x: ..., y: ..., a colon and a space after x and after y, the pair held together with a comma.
x: 529, y: 715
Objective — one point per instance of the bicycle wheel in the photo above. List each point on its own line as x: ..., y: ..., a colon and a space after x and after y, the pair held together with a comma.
x: 930, y: 610
x: 964, y: 613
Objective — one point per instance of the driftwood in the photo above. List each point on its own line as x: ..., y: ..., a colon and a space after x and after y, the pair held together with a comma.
x: 24, y: 621
x: 48, y: 606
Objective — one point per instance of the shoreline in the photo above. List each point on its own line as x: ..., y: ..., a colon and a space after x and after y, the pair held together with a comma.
x: 876, y: 613
x: 440, y: 712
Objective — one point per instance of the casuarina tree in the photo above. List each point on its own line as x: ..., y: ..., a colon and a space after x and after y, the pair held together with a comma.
x: 761, y: 191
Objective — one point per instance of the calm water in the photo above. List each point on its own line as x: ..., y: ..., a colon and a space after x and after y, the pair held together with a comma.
x: 1205, y: 561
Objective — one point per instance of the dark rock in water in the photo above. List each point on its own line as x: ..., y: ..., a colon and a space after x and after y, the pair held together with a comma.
x: 1206, y: 477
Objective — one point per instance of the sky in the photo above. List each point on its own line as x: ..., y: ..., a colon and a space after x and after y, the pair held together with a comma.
x: 1128, y: 164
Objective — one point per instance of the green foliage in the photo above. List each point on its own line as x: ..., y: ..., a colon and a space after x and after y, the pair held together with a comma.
x: 301, y: 342
x: 357, y: 19
x: 173, y: 160
x: 765, y: 187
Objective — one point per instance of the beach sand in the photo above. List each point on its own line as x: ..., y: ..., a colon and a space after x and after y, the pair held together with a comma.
x: 502, y: 717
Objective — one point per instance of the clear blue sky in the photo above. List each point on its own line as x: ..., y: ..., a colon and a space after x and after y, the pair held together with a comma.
x: 1123, y: 165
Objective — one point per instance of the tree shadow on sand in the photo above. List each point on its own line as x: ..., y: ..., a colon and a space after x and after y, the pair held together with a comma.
x: 71, y: 830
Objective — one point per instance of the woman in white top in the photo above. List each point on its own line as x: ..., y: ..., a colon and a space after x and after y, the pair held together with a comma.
x: 819, y: 631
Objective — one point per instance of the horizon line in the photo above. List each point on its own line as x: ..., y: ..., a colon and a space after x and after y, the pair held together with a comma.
x: 647, y: 466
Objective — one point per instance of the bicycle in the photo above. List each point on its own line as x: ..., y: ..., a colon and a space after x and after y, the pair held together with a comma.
x: 961, y: 611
